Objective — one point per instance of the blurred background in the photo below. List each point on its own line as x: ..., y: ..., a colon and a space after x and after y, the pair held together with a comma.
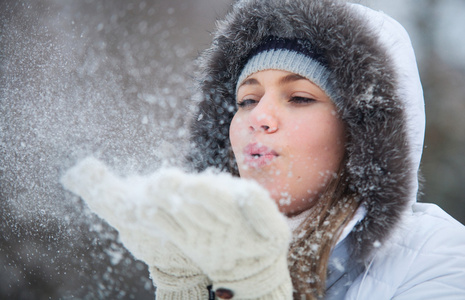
x: 113, y: 79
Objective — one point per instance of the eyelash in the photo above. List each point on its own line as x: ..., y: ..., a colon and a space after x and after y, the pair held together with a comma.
x: 296, y: 100
x: 301, y: 100
x: 246, y: 103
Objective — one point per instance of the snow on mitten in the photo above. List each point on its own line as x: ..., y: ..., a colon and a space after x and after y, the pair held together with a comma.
x: 229, y: 227
x: 119, y: 201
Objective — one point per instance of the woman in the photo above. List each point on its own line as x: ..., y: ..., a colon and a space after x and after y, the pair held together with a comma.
x: 364, y: 62
x: 320, y: 103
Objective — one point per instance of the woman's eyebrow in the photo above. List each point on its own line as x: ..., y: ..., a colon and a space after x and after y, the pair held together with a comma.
x: 283, y: 80
x: 291, y: 78
x: 250, y: 81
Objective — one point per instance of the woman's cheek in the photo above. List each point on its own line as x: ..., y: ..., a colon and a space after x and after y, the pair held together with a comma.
x: 234, y: 130
x: 236, y: 137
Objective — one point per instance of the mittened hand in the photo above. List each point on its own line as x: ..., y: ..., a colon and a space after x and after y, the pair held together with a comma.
x: 229, y: 227
x: 120, y: 202
x: 224, y: 227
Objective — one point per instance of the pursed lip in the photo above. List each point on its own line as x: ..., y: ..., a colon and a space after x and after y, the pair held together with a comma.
x: 258, y: 155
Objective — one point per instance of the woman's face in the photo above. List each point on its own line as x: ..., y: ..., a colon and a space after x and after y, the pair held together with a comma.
x: 287, y: 136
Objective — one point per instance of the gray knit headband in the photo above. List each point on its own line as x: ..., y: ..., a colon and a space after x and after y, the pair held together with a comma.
x: 292, y: 55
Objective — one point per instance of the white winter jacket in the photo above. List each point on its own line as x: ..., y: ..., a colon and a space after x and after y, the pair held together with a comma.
x: 424, y: 257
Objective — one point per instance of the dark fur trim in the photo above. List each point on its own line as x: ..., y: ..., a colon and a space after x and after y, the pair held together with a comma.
x: 378, y: 161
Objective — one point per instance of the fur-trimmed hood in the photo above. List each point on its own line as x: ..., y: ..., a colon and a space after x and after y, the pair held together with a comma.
x: 379, y: 96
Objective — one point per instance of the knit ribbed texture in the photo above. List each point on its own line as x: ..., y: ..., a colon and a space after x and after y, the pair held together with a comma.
x: 194, y: 293
x: 253, y: 287
x: 177, y: 280
x: 169, y: 287
x: 291, y: 61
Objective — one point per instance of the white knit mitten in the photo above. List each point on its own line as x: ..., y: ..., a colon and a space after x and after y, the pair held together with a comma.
x: 229, y: 227
x: 121, y: 202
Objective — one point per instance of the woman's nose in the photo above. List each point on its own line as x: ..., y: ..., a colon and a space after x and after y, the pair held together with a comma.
x: 264, y: 117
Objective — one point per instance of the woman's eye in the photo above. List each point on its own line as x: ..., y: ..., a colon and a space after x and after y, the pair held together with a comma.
x: 246, y: 103
x: 301, y: 100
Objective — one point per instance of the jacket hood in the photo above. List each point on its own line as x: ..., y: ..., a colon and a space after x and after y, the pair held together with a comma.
x: 377, y: 93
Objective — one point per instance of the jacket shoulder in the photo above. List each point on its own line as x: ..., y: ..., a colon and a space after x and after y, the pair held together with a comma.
x: 424, y: 259
x: 437, y: 270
